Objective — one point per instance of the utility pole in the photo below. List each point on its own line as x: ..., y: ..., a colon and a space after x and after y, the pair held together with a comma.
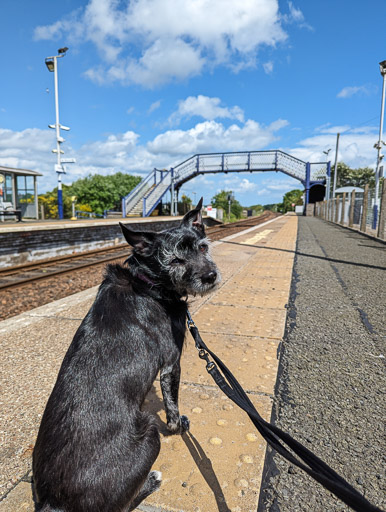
x: 378, y: 146
x: 336, y: 164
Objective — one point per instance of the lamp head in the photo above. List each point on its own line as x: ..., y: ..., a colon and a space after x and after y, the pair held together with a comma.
x: 382, y: 67
x: 62, y: 50
x: 50, y: 63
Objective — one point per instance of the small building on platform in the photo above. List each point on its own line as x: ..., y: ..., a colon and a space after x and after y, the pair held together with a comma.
x: 18, y: 187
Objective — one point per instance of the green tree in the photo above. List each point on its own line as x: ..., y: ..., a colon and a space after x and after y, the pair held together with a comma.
x: 186, y: 199
x: 274, y: 207
x: 353, y: 177
x: 293, y: 197
x: 95, y: 193
x: 258, y: 208
x: 103, y: 192
x: 220, y: 200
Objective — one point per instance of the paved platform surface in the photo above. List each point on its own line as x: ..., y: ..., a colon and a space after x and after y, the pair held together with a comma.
x: 332, y: 380
x: 38, y: 225
x: 218, y: 465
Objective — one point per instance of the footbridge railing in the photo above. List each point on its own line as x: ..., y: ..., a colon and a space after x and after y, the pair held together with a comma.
x: 247, y: 161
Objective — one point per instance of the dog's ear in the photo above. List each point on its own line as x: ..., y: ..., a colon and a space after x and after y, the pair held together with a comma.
x: 194, y: 217
x: 141, y: 241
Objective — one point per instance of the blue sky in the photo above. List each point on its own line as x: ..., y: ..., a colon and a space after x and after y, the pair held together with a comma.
x: 148, y: 83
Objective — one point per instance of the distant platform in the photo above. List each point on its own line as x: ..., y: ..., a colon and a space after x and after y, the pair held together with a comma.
x: 35, y: 225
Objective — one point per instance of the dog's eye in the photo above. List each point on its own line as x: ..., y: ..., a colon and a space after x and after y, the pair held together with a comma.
x: 177, y: 261
x: 203, y: 247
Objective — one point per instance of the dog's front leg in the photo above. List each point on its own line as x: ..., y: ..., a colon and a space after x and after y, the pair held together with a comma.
x: 170, y: 381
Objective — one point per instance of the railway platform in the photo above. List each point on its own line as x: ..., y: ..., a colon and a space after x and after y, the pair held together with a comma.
x: 259, y: 313
x: 222, y: 450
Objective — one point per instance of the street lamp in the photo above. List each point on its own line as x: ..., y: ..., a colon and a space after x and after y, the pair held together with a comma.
x: 52, y: 66
x: 327, y: 177
x: 380, y: 143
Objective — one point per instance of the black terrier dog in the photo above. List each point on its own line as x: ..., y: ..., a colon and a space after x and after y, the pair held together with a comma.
x: 95, y: 446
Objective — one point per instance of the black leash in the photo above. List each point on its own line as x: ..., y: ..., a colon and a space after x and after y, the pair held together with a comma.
x: 309, y: 462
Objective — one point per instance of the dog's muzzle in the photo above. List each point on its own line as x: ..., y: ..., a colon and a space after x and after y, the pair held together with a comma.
x: 209, y: 277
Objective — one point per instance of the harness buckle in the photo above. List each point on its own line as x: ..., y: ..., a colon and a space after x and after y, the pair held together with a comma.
x: 202, y: 354
x: 210, y: 366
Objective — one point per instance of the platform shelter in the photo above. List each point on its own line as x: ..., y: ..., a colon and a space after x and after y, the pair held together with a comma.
x: 18, y: 191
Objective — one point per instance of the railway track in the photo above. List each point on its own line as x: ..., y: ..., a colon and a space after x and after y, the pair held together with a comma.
x: 20, y: 275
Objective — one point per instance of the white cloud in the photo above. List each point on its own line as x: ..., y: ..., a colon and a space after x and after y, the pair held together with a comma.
x: 355, y: 147
x: 348, y: 92
x: 154, y: 106
x: 296, y: 16
x: 213, y: 136
x: 31, y: 149
x: 205, y: 107
x: 151, y: 42
x: 268, y: 67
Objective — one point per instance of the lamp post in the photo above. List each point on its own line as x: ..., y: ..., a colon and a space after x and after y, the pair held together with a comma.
x: 52, y: 66
x: 327, y: 177
x: 380, y: 143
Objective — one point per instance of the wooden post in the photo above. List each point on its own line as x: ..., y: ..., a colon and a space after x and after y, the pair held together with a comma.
x: 343, y: 208
x: 42, y: 212
x: 364, y: 208
x: 337, y: 201
x: 382, y: 213
x: 351, y: 216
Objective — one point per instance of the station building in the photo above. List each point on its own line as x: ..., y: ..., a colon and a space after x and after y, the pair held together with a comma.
x: 18, y: 187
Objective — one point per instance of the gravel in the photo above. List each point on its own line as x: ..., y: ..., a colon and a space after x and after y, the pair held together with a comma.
x: 24, y: 298
x: 331, y: 383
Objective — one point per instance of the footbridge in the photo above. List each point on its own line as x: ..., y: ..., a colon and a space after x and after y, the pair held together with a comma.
x: 147, y: 195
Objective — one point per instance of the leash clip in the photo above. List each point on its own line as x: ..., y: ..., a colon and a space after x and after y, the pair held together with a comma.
x: 190, y: 320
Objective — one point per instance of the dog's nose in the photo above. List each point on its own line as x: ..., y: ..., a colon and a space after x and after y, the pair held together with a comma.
x: 209, y: 277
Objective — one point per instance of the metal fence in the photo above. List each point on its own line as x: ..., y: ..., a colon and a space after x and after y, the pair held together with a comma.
x: 356, y: 210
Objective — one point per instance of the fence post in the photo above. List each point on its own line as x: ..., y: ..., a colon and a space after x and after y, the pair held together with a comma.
x: 364, y: 208
x: 337, y: 202
x: 382, y: 213
x: 351, y: 216
x: 343, y: 208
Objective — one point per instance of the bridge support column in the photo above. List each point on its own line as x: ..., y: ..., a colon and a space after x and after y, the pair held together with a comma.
x: 328, y: 180
x: 307, y: 183
x: 172, y: 193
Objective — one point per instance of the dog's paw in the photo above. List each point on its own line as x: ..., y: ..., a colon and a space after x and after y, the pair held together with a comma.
x: 154, y: 480
x: 180, y: 427
x: 185, y: 424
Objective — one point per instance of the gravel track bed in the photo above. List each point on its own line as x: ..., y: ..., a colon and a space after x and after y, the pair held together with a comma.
x: 29, y: 296
x: 331, y: 383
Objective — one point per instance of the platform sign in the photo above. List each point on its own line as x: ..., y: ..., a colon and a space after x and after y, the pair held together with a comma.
x: 60, y: 169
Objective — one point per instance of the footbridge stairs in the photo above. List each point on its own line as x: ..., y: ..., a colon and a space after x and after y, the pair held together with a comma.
x: 147, y: 195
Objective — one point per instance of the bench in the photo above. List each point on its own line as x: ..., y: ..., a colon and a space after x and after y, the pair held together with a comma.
x: 8, y: 209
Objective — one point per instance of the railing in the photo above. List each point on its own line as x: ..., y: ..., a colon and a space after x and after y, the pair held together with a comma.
x: 129, y: 201
x: 318, y: 171
x: 154, y: 197
x: 241, y: 162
